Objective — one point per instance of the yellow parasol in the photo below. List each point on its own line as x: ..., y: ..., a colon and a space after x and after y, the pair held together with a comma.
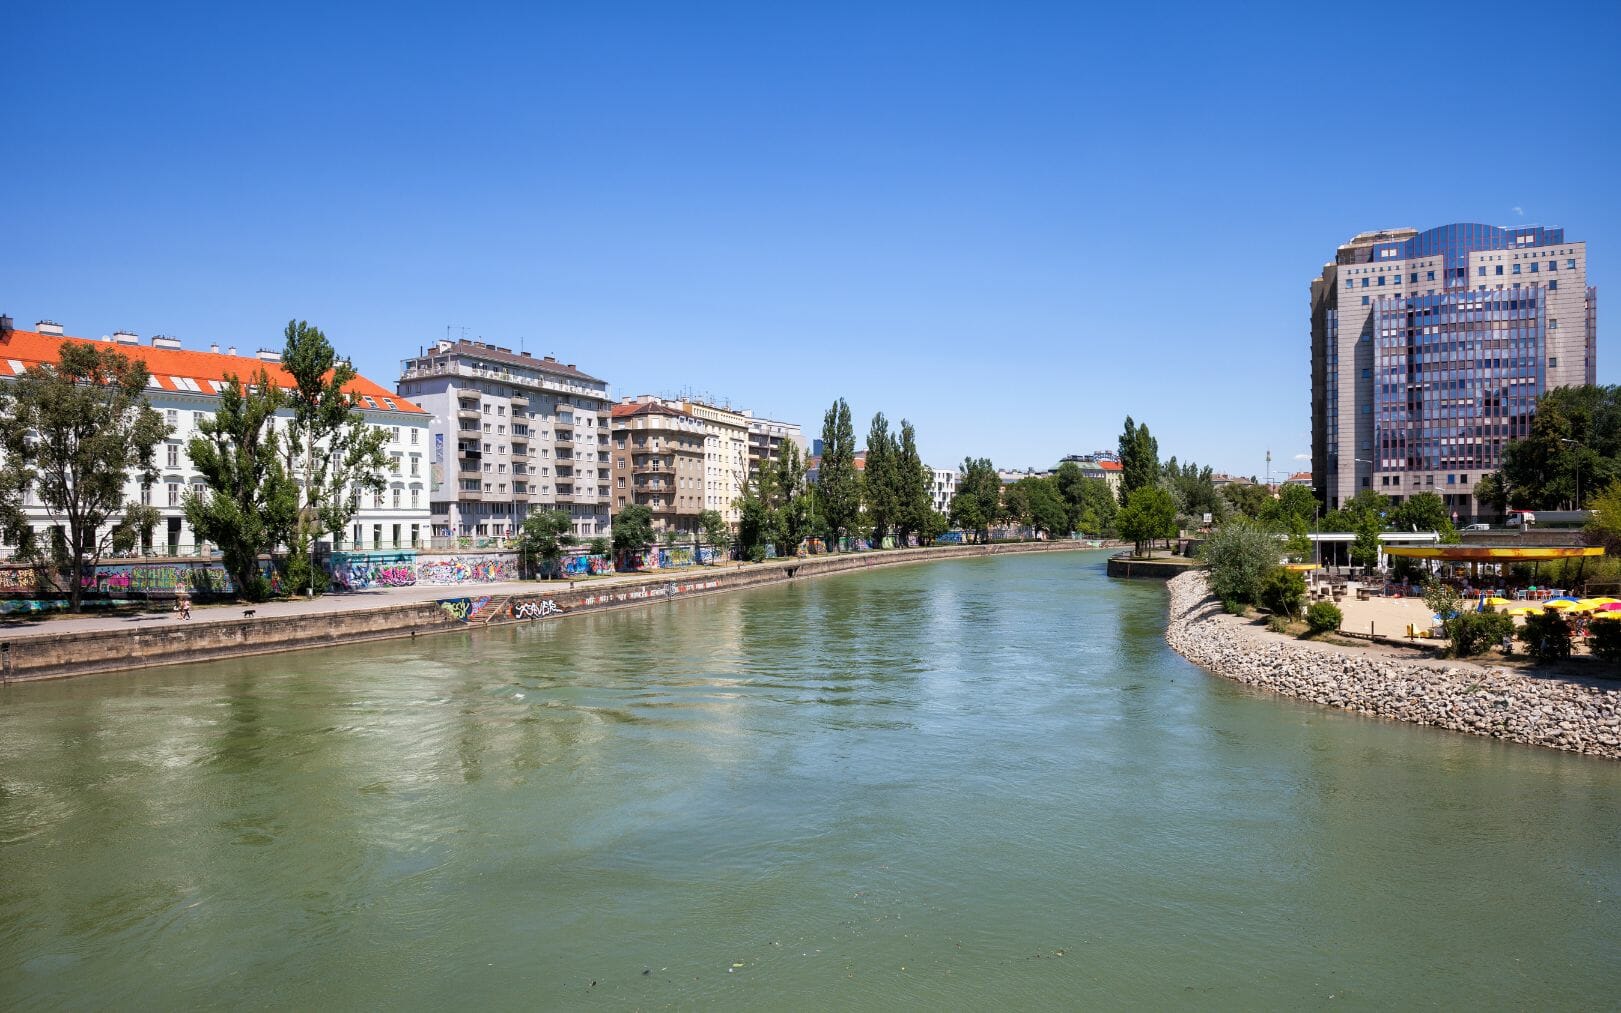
x: 1498, y: 602
x: 1526, y: 610
x: 1560, y: 603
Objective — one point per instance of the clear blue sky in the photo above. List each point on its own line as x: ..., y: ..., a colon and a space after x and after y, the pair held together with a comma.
x: 1011, y: 223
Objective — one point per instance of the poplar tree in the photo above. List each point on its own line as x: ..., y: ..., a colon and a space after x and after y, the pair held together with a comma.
x: 1139, y: 459
x: 330, y: 447
x: 73, y: 432
x: 252, y: 502
x: 838, y: 496
x: 914, y: 504
x: 878, y: 478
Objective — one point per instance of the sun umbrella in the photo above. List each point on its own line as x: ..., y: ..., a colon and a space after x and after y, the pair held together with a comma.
x: 1610, y: 606
x: 1559, y: 603
x: 1526, y: 610
x: 1495, y: 602
x: 1607, y: 615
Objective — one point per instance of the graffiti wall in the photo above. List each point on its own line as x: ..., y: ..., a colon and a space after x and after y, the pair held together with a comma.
x: 491, y: 568
x: 357, y: 571
x: 18, y: 579
x: 462, y: 609
x: 200, y: 578
x: 581, y: 566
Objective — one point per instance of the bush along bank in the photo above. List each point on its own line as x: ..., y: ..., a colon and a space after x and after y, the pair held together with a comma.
x: 1553, y: 712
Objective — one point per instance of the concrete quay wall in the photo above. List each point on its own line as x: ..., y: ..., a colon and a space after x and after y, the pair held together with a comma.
x: 73, y: 653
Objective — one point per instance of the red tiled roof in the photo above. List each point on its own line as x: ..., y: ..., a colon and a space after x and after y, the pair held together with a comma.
x: 173, y: 369
x: 622, y: 411
x: 1109, y: 466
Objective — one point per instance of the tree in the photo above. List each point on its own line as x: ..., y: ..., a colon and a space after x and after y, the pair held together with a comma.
x: 978, y: 500
x: 251, y: 502
x: 1139, y: 459
x: 934, y: 525
x: 1282, y: 591
x: 838, y: 497
x: 73, y: 432
x: 1247, y: 498
x: 330, y: 448
x: 715, y: 530
x: 1294, y: 502
x: 794, y: 517
x: 1365, y: 547
x: 914, y: 505
x: 1575, y: 438
x: 1238, y: 556
x: 1195, y: 490
x: 878, y: 487
x: 1424, y: 511
x: 545, y: 536
x: 1096, y: 509
x: 632, y: 529
x: 1149, y: 514
x: 1037, y: 504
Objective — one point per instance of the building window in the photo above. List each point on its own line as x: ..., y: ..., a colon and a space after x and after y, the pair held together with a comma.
x: 173, y: 455
x: 174, y: 493
x: 414, y: 434
x: 172, y: 417
x: 1553, y: 362
x: 1499, y: 269
x: 1481, y: 270
x: 197, y: 420
x: 1516, y: 269
x: 1364, y: 300
x: 415, y: 500
x: 1553, y: 285
x: 1570, y: 265
x: 396, y: 499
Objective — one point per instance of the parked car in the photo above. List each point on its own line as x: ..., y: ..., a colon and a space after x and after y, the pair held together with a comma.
x: 1477, y: 527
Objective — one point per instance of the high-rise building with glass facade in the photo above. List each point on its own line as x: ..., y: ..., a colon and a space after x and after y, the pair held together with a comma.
x: 1429, y: 350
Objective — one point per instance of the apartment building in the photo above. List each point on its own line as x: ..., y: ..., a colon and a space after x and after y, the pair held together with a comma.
x: 511, y: 434
x: 1429, y: 351
x: 185, y: 386
x: 766, y: 438
x: 726, y: 456
x: 658, y: 455
x: 942, y: 487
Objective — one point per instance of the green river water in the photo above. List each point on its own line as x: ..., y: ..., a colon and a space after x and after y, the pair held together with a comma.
x: 974, y: 784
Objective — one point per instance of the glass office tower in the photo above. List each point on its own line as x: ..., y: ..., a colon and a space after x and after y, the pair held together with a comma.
x: 1429, y: 350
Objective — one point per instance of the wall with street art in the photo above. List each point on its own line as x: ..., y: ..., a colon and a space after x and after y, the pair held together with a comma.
x: 461, y: 568
x: 357, y: 571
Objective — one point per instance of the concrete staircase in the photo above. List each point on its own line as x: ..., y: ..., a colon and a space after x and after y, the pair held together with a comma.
x: 495, y: 606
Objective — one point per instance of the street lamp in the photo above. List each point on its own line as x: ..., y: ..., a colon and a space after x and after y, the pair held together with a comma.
x: 1576, y: 443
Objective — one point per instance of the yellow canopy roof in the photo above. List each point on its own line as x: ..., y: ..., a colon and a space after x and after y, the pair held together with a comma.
x: 1492, y: 553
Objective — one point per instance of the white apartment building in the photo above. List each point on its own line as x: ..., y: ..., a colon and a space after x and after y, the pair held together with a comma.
x: 510, y: 434
x: 726, y: 456
x: 942, y: 487
x: 766, y: 437
x: 185, y: 387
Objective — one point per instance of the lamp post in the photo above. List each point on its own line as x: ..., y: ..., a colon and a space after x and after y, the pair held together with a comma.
x: 1576, y: 443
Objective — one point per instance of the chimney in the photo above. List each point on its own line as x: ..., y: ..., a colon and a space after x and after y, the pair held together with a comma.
x: 266, y: 355
x: 231, y: 350
x: 569, y: 365
x: 126, y: 337
x: 549, y: 358
x: 5, y: 325
x: 48, y: 327
x: 214, y: 347
x: 528, y: 355
x: 165, y: 341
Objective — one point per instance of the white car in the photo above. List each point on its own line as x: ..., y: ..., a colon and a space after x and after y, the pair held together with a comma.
x: 1478, y: 527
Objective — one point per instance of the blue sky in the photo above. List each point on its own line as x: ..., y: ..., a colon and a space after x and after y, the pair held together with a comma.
x: 1013, y: 224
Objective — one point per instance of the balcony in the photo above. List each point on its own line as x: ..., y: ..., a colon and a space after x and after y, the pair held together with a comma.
x: 468, y: 454
x: 520, y: 401
x: 469, y: 496
x: 565, y: 437
x: 468, y: 413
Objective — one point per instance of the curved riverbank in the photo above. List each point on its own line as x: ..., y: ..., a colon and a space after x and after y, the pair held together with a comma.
x: 70, y: 647
x: 1559, y: 713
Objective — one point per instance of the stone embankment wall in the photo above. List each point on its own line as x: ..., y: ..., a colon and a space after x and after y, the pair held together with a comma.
x: 1559, y: 713
x: 25, y: 658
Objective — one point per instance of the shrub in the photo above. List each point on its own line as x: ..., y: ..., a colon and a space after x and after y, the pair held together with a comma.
x: 1233, y: 608
x: 1475, y: 633
x: 1282, y: 591
x: 1238, y: 556
x: 1605, y: 637
x: 1546, y: 636
x: 1324, y: 617
x: 1277, y: 624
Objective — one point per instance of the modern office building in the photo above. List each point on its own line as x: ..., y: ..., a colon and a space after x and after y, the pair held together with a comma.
x: 1429, y: 350
x: 185, y: 386
x: 511, y: 434
x: 658, y: 462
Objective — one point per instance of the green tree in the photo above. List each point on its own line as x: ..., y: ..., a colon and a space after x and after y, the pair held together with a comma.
x: 715, y: 529
x: 878, y: 480
x: 252, y: 502
x: 838, y: 497
x: 1195, y: 491
x: 632, y: 529
x: 1149, y: 514
x: 1038, y: 504
x: 331, y: 450
x: 1095, y: 509
x: 1575, y: 438
x: 1139, y: 459
x: 934, y: 525
x: 1424, y: 511
x: 1365, y: 547
x: 1282, y: 591
x: 1247, y: 498
x: 1238, y: 556
x: 978, y: 500
x: 545, y: 536
x: 74, y: 432
x: 1294, y: 502
x: 914, y: 505
x: 794, y: 515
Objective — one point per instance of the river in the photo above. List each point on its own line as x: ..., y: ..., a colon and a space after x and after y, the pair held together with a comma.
x: 976, y: 783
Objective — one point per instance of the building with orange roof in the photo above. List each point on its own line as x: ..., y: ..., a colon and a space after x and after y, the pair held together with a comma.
x: 185, y: 386
x: 513, y: 434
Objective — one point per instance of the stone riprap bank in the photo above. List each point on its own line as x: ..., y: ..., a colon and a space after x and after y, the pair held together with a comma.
x: 1559, y: 713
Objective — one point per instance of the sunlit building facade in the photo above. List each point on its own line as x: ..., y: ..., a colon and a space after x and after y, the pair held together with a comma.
x: 1429, y: 350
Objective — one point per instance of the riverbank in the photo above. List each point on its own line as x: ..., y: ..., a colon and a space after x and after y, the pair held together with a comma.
x: 65, y: 648
x: 1571, y: 713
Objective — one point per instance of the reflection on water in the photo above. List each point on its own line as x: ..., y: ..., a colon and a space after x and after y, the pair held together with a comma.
x: 978, y: 783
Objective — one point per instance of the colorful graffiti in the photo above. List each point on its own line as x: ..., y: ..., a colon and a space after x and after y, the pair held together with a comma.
x: 18, y: 579
x: 580, y: 566
x: 162, y: 578
x: 360, y: 570
x: 467, y: 569
x: 536, y: 609
x: 463, y: 609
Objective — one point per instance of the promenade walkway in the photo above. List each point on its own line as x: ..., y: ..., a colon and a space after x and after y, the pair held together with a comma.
x: 62, y: 625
